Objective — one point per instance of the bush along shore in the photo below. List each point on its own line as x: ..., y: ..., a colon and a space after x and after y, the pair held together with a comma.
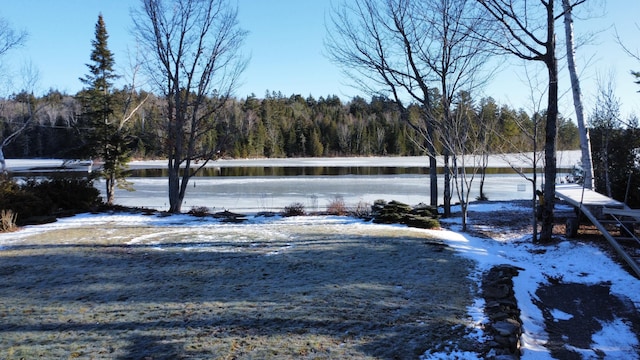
x: 381, y: 212
x: 42, y: 201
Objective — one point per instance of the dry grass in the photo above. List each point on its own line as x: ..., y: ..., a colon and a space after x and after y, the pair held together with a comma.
x: 337, y: 206
x: 172, y: 293
x: 8, y: 221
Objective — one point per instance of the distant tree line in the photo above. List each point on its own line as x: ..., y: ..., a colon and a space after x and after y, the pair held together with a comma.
x: 273, y: 127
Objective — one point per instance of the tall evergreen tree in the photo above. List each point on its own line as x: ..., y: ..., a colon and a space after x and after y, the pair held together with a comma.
x: 107, y: 137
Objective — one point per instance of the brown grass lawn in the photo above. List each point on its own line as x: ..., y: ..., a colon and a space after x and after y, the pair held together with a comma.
x: 317, y: 292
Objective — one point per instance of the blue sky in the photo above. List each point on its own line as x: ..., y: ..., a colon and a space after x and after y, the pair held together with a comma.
x: 285, y: 43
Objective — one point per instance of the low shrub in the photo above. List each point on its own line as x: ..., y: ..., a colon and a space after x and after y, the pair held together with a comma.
x: 337, y: 207
x: 426, y: 211
x: 362, y: 210
x: 199, y: 211
x: 295, y: 209
x: 67, y: 193
x: 421, y: 222
x: 395, y: 212
x: 8, y: 220
x: 22, y: 202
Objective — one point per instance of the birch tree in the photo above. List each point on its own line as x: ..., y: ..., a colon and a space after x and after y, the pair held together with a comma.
x: 195, y: 60
x: 585, y: 143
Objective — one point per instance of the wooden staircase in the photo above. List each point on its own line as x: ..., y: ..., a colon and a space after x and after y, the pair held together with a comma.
x: 615, y: 220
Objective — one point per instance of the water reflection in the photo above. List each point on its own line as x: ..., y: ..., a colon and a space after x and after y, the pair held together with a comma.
x: 307, y: 171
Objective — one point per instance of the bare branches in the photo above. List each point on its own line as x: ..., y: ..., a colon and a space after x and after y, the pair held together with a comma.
x: 633, y: 54
x: 10, y: 38
x: 30, y: 108
x: 196, y: 43
x: 519, y: 31
x: 526, y: 29
x: 130, y: 107
x: 196, y: 63
x: 418, y: 52
x: 407, y: 48
x: 567, y: 7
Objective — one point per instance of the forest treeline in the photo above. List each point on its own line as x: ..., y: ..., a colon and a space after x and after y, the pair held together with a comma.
x: 275, y: 126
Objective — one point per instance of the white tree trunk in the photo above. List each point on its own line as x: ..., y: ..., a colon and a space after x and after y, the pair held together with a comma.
x: 585, y: 144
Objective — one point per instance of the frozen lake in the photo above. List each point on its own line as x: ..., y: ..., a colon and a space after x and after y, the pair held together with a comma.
x: 271, y: 184
x: 254, y: 194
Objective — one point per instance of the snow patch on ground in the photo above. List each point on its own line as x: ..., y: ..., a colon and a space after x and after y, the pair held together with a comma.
x: 571, y: 261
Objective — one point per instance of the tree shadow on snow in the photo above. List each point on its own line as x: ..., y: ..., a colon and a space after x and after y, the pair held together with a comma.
x: 574, y: 313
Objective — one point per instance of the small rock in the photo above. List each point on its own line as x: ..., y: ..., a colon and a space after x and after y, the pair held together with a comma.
x: 497, y: 292
x: 506, y: 327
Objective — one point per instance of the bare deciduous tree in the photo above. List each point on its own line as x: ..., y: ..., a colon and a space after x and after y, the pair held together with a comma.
x: 195, y: 59
x: 10, y: 39
x: 371, y: 41
x: 529, y: 130
x: 458, y: 59
x: 526, y: 29
x: 405, y: 50
x: 467, y: 144
x: 488, y: 117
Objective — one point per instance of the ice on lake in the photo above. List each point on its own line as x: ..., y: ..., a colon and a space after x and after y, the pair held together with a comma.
x: 272, y: 193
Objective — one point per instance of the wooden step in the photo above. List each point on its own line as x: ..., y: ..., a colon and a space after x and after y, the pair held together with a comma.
x: 634, y: 213
x: 623, y: 238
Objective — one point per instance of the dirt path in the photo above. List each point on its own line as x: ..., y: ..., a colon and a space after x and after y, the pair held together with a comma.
x: 292, y: 293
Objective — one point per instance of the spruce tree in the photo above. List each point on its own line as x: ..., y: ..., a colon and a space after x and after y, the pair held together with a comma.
x: 107, y: 138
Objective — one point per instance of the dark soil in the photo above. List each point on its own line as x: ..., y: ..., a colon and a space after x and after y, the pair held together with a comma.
x: 589, y: 306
